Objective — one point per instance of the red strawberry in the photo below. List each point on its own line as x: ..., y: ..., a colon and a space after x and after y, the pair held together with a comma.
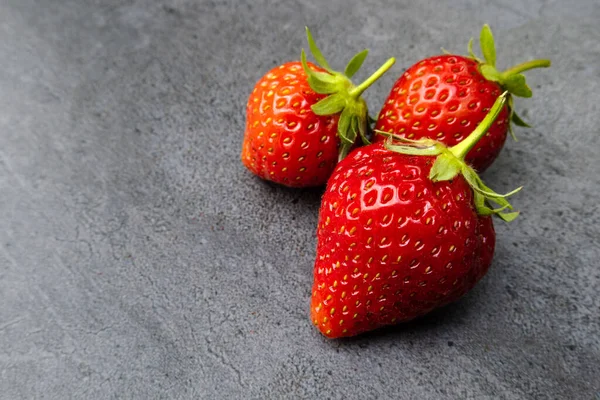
x: 301, y: 118
x: 445, y: 97
x: 403, y: 229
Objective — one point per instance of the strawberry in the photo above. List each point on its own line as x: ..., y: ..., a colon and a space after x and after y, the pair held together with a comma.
x: 445, y: 97
x: 302, y: 118
x: 403, y: 229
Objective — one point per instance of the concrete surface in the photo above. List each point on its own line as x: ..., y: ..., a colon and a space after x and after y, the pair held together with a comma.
x: 139, y: 260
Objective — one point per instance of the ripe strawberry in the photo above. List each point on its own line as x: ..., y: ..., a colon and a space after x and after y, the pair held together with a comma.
x: 445, y: 97
x: 300, y: 118
x: 403, y: 229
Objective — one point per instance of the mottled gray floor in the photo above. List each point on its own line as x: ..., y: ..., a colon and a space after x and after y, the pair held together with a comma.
x: 140, y: 260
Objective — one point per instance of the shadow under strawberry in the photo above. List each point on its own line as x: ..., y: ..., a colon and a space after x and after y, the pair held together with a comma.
x: 308, y: 198
x: 443, y: 318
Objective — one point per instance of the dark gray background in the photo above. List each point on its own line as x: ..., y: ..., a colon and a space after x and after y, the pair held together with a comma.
x: 140, y: 260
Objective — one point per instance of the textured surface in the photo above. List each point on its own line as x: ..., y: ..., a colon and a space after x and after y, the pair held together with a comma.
x: 139, y: 259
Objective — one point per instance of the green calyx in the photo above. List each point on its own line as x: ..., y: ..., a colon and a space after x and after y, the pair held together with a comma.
x: 450, y: 162
x: 512, y: 80
x: 343, y: 97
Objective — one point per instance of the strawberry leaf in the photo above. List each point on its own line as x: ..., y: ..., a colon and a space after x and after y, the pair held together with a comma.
x: 317, y: 53
x: 470, y: 49
x: 514, y: 118
x: 345, y: 98
x: 355, y: 64
x: 321, y: 76
x: 512, y: 132
x: 471, y: 53
x: 490, y: 73
x: 489, y: 194
x: 321, y: 87
x: 507, y: 217
x: 347, y: 130
x: 354, y: 128
x: 511, y: 109
x: 483, y: 196
x: 488, y: 48
x: 516, y: 85
x: 483, y: 208
x: 362, y: 129
x: 344, y: 125
x: 512, y: 79
x: 518, y: 121
x: 320, y: 82
x: 444, y: 168
x: 423, y: 147
x: 330, y: 105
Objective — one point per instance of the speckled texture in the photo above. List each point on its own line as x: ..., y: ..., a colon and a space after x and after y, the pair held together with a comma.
x: 139, y: 259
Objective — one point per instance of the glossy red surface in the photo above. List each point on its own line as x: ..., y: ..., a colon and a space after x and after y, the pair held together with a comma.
x: 445, y: 98
x: 284, y: 141
x: 392, y: 244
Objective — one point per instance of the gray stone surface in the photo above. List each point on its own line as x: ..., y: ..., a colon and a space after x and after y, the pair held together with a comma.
x: 140, y: 260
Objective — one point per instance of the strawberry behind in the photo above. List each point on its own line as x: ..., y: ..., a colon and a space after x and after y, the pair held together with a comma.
x: 302, y: 118
x: 285, y: 141
x: 445, y: 97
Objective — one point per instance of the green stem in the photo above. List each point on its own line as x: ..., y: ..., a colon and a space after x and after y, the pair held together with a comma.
x: 358, y: 90
x: 460, y: 150
x: 344, y: 150
x: 526, y: 66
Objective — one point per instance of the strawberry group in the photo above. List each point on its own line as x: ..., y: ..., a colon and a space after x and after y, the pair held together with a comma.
x: 445, y: 97
x: 301, y: 118
x: 405, y: 224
